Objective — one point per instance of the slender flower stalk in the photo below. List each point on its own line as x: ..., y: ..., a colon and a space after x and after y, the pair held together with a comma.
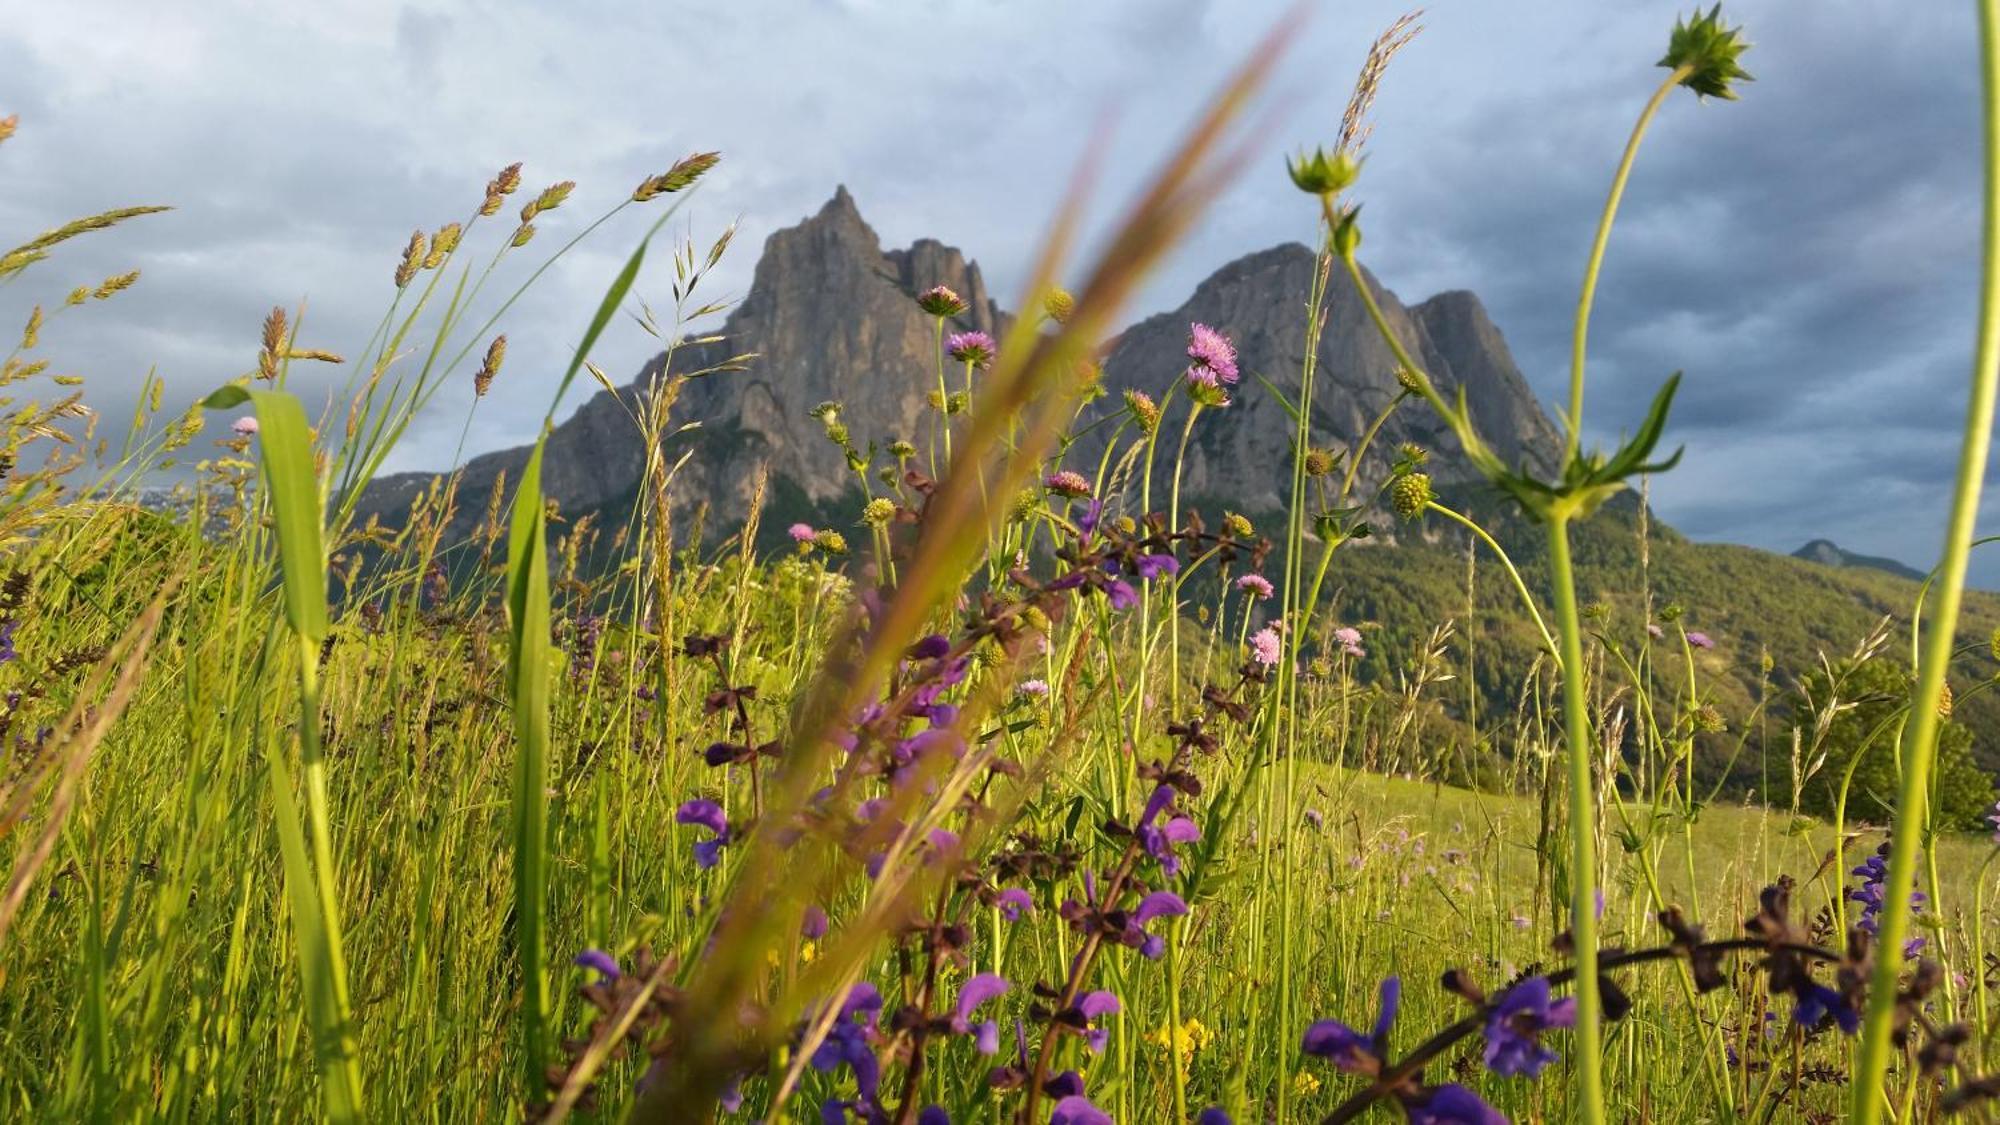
x: 1919, y: 746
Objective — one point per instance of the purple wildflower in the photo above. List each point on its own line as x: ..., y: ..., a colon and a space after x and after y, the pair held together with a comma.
x: 1159, y: 904
x: 977, y: 991
x: 1266, y: 647
x: 1514, y: 1028
x: 245, y: 426
x: 1091, y: 1006
x: 1211, y: 351
x: 851, y: 1041
x: 941, y: 300
x: 1033, y: 687
x: 802, y: 533
x: 1077, y: 1110
x: 1349, y: 1049
x: 1150, y: 567
x: 7, y: 651
x: 1068, y: 483
x: 605, y: 964
x: 1014, y: 902
x: 814, y: 925
x: 1349, y: 640
x: 704, y: 813
x: 1121, y: 595
x: 1452, y: 1104
x: 933, y: 1115
x: 1817, y: 1003
x: 1093, y: 511
x: 930, y: 647
x: 975, y: 348
x: 1256, y: 585
x: 1700, y: 640
x: 1993, y: 818
x: 1160, y: 840
x: 1214, y: 1115
x: 1654, y: 631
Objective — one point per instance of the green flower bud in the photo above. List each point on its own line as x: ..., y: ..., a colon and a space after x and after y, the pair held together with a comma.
x: 879, y: 511
x: 902, y: 450
x: 1026, y: 503
x: 1034, y: 619
x: 1320, y: 462
x: 1347, y: 233
x: 959, y: 403
x: 1410, y: 493
x: 1236, y: 526
x: 1709, y: 52
x: 832, y: 542
x: 1318, y: 173
x: 1412, y: 453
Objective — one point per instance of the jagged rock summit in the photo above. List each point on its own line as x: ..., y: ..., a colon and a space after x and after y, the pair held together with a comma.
x: 831, y: 316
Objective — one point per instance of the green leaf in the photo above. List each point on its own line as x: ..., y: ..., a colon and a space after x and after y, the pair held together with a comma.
x: 284, y: 442
x: 528, y: 684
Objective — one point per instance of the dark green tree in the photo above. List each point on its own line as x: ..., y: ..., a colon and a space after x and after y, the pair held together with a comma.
x: 1872, y: 696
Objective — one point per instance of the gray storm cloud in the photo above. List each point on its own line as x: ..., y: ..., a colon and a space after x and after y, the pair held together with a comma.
x: 1807, y: 255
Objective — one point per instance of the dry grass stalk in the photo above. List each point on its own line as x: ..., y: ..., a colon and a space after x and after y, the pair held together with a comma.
x: 496, y: 354
x: 1354, y: 123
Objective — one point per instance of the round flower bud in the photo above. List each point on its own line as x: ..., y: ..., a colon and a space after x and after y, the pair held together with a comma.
x: 1407, y: 379
x: 1059, y: 305
x: 1317, y: 173
x: 879, y: 511
x: 941, y: 300
x: 1409, y: 494
x: 1319, y: 462
x: 1413, y: 453
x: 902, y: 450
x: 1025, y: 503
x: 1237, y: 526
x: 832, y: 542
x: 1144, y: 410
x: 1034, y: 619
x: 1944, y: 701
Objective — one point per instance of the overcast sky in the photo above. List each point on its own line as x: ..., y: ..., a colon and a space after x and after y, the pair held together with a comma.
x: 1806, y: 255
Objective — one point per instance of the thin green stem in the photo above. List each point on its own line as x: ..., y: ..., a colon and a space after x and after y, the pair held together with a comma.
x: 1520, y: 587
x: 1583, y: 838
x: 1573, y: 423
x: 1920, y: 734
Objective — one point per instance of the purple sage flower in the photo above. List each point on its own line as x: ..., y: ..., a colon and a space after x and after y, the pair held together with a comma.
x: 1515, y: 1025
x: 1077, y: 1110
x: 1452, y: 1104
x: 1213, y: 1115
x: 1349, y: 1049
x: 605, y: 964
x: 1150, y: 567
x: 977, y: 991
x: 704, y: 813
x: 1014, y: 902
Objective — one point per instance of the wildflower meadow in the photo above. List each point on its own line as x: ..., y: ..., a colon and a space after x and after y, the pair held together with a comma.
x: 1023, y: 792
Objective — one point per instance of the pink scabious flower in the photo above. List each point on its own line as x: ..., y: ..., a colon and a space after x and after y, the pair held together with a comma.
x: 1068, y: 483
x: 941, y: 300
x: 1256, y: 585
x: 975, y: 348
x: 1654, y: 631
x: 1212, y: 352
x: 1265, y: 647
x: 245, y: 426
x: 1700, y: 640
x: 802, y: 533
x: 1033, y: 687
x: 1349, y: 640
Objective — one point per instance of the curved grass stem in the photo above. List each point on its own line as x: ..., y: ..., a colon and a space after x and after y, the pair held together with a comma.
x: 1919, y: 746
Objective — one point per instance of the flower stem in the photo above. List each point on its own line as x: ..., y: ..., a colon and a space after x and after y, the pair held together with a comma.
x: 1573, y: 422
x: 1919, y: 748
x: 1582, y: 834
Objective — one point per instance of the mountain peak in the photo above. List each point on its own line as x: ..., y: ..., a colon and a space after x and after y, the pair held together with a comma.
x: 1826, y: 552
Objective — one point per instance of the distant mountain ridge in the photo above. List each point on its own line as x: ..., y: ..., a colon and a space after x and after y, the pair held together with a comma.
x: 1827, y: 553
x: 831, y: 316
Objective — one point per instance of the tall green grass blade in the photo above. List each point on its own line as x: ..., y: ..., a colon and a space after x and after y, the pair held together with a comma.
x: 285, y: 442
x: 528, y: 686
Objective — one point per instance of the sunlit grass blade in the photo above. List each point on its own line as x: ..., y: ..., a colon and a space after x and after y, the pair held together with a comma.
x: 285, y: 439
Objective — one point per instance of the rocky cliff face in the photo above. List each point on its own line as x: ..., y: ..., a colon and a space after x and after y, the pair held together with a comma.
x: 1242, y: 453
x: 831, y: 316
